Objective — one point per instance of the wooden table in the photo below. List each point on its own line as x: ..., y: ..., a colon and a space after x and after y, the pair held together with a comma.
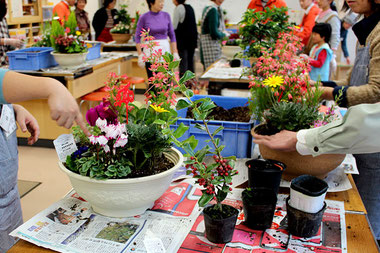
x: 79, y: 82
x: 359, y: 234
x: 216, y: 84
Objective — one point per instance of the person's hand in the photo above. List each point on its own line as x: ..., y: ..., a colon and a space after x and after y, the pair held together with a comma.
x: 27, y: 122
x: 13, y: 42
x: 304, y: 56
x: 64, y: 109
x: 176, y: 56
x: 140, y: 61
x: 226, y: 34
x: 313, y: 83
x: 282, y: 141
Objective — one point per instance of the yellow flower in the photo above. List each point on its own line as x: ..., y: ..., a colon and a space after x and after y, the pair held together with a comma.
x: 78, y: 33
x: 297, y: 27
x: 274, y: 81
x: 158, y: 109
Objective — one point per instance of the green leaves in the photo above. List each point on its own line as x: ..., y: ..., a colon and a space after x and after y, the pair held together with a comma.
x: 182, y: 104
x: 180, y: 130
x: 205, y: 199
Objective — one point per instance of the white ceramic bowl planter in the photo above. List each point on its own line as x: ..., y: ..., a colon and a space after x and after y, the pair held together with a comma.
x: 69, y: 60
x: 124, y: 197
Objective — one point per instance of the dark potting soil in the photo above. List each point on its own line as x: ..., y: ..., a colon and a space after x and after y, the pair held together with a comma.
x: 265, y: 130
x: 161, y: 164
x: 238, y: 114
x: 227, y: 211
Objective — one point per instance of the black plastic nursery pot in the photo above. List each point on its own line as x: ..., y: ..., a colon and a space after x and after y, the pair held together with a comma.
x: 259, y: 206
x: 309, y: 185
x: 265, y: 173
x: 303, y: 224
x: 220, y: 230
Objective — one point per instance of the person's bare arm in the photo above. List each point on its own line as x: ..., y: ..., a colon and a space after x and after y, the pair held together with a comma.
x: 63, y: 107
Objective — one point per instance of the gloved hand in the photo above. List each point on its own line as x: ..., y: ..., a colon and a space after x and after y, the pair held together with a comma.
x: 13, y: 42
x: 176, y: 57
x: 140, y: 61
x: 226, y: 34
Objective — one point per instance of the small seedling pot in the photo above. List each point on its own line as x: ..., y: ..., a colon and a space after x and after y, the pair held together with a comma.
x: 307, y: 193
x: 259, y: 205
x: 220, y: 230
x: 265, y: 173
x: 303, y: 224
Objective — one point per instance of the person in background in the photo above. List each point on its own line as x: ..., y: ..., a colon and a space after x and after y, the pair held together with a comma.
x: 320, y: 53
x: 185, y: 28
x: 329, y: 15
x: 82, y: 19
x: 308, y: 20
x: 6, y: 43
x: 212, y: 31
x: 161, y: 27
x: 15, y: 87
x: 104, y: 20
x: 363, y: 86
x: 62, y: 9
x: 347, y: 22
x: 259, y: 5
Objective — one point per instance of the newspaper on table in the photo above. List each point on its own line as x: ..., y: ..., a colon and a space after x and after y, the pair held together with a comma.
x: 331, y: 236
x: 70, y: 225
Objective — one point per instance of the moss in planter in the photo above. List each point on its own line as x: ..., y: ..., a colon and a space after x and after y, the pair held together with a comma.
x: 214, y: 213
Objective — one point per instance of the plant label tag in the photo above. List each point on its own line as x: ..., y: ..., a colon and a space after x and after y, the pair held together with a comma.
x: 153, y: 244
x: 64, y: 146
x: 7, y: 120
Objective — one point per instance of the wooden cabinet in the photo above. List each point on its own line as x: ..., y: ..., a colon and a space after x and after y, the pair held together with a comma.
x: 24, y: 18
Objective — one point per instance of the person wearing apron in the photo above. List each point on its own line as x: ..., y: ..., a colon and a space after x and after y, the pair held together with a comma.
x: 160, y: 26
x: 212, y: 31
x: 363, y: 86
x: 64, y: 109
x: 104, y: 20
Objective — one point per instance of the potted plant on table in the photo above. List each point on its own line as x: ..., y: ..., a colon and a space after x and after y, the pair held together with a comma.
x: 67, y: 42
x: 127, y: 139
x: 259, y: 31
x: 283, y: 99
x: 231, y: 45
x: 122, y: 32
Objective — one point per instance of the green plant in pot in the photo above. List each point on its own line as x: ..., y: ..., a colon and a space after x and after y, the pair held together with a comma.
x: 260, y: 30
x: 284, y: 99
x: 67, y: 42
x: 214, y: 178
x: 122, y: 32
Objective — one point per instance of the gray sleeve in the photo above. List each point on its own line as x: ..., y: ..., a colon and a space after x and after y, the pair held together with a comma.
x: 356, y: 133
x: 335, y: 32
x: 179, y: 15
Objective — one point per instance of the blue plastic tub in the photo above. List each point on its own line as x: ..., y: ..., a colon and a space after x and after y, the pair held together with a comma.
x: 24, y: 59
x: 236, y: 136
x: 94, y: 49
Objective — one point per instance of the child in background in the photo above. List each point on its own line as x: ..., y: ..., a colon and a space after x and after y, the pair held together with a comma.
x: 320, y: 54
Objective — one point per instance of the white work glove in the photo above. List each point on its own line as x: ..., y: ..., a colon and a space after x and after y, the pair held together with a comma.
x: 13, y: 42
x: 226, y: 34
x: 176, y: 57
x: 140, y: 61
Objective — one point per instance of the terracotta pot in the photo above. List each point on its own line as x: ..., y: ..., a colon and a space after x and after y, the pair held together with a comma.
x: 121, y: 38
x: 297, y: 164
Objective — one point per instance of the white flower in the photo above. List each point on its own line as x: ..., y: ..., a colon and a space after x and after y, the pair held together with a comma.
x: 102, y: 140
x: 121, y: 141
x: 114, y: 131
x: 101, y: 123
x: 106, y: 148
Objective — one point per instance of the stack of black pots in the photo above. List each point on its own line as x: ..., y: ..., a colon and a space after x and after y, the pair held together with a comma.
x: 259, y: 200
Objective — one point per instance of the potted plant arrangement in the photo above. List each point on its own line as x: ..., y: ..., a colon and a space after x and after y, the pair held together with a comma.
x: 122, y: 32
x: 128, y: 139
x: 259, y: 31
x: 283, y: 99
x: 67, y: 42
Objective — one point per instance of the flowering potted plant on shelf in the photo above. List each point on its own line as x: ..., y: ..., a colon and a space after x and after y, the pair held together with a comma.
x: 129, y: 140
x: 122, y: 32
x: 283, y: 99
x: 67, y: 42
x: 259, y: 31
